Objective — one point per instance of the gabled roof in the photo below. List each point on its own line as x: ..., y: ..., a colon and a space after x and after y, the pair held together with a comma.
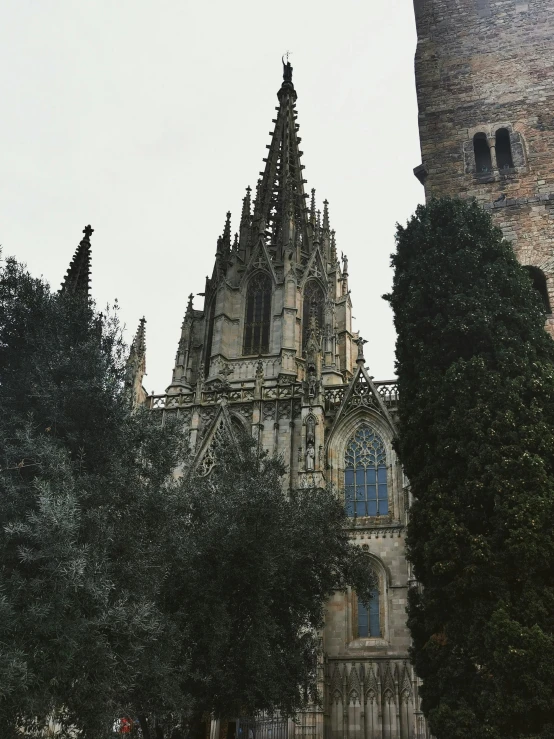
x: 361, y: 393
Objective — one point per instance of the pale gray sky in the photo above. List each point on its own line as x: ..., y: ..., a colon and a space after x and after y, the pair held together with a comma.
x: 148, y: 118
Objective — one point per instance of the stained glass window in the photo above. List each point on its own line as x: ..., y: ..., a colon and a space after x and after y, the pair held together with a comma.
x: 258, y: 315
x: 369, y: 621
x: 365, y: 474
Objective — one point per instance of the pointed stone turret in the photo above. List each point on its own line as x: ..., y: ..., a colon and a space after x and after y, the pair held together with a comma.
x: 280, y: 201
x: 77, y: 279
x: 136, y: 366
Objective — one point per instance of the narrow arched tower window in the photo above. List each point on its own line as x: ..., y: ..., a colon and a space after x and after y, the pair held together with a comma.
x: 483, y: 161
x: 365, y: 474
x: 504, y: 149
x: 369, y: 619
x: 258, y: 314
x: 539, y: 283
x: 314, y: 302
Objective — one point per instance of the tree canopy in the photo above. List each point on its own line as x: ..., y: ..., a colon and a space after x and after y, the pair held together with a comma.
x: 128, y: 589
x: 476, y: 438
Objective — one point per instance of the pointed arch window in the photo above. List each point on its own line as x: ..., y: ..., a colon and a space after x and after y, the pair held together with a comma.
x: 365, y: 474
x: 369, y: 619
x: 258, y: 315
x: 483, y: 161
x: 504, y: 157
x: 314, y: 302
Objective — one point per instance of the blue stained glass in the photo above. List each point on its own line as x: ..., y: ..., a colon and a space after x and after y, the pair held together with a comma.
x: 365, y: 474
x: 374, y: 616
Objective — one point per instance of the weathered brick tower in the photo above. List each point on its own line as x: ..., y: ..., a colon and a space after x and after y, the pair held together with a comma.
x: 485, y: 86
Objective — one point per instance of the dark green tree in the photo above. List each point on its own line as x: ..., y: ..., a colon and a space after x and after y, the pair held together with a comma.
x: 257, y: 566
x: 128, y: 590
x: 86, y: 496
x: 476, y: 438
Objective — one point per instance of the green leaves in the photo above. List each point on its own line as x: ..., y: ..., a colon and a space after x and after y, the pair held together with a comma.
x: 476, y: 409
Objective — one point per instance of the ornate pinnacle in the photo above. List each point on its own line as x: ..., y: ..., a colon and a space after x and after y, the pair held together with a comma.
x: 246, y: 206
x: 77, y: 278
x: 138, y: 347
x: 333, y: 247
x: 326, y: 214
x: 189, y: 305
x: 236, y: 243
x: 226, y: 237
x: 312, y: 208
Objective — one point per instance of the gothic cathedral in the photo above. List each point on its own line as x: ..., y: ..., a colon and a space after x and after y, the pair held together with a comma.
x: 273, y: 353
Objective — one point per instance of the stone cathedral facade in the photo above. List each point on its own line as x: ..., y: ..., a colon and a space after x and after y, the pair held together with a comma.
x: 272, y: 353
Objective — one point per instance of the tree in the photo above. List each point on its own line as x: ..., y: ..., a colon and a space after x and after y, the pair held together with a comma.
x: 476, y: 438
x: 126, y: 589
x: 257, y: 566
x: 85, y: 495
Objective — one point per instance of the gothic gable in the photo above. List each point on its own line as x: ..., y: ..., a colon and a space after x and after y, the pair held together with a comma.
x: 260, y: 259
x: 362, y: 394
x: 315, y: 268
x: 220, y: 432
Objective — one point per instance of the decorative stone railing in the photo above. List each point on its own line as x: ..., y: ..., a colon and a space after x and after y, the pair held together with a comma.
x: 334, y: 395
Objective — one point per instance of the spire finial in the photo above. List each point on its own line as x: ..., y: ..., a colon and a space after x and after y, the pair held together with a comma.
x: 287, y: 68
x: 88, y: 231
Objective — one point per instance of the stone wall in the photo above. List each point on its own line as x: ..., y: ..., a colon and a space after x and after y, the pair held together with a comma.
x: 484, y: 65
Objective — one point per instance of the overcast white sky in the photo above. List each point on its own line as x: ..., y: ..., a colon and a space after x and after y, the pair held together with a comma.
x: 148, y: 118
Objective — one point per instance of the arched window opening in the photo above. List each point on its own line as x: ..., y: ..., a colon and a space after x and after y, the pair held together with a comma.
x: 365, y: 474
x: 209, y: 338
x: 539, y: 283
x: 483, y: 161
x: 503, y: 149
x: 314, y: 303
x: 369, y: 619
x: 258, y: 315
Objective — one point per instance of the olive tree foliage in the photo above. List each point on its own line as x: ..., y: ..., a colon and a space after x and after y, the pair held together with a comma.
x: 126, y: 589
x: 476, y: 438
x: 86, y: 493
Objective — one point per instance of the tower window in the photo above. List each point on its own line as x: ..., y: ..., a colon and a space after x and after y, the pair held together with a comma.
x: 504, y: 157
x: 369, y: 619
x: 539, y: 283
x: 483, y: 161
x: 258, y: 315
x: 365, y: 474
x: 314, y: 300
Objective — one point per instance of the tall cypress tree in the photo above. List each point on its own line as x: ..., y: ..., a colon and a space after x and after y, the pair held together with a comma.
x: 476, y: 438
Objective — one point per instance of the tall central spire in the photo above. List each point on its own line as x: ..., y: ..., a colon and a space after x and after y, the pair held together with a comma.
x: 280, y: 206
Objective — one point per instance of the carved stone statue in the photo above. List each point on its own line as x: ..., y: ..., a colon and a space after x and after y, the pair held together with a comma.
x: 310, y: 458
